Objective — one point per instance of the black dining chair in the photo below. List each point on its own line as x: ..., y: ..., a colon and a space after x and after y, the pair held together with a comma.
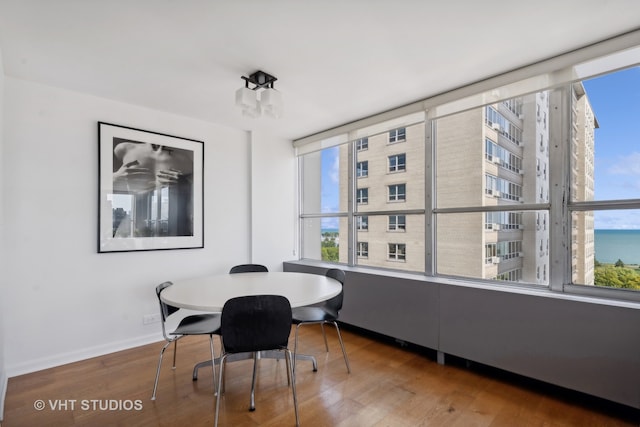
x: 196, y: 324
x: 251, y: 324
x: 328, y: 312
x: 248, y: 268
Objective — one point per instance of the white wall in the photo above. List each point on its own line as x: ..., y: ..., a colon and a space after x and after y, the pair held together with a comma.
x: 273, y: 189
x: 3, y: 375
x: 63, y: 301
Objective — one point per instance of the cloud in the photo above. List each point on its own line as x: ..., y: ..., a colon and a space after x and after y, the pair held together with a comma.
x: 617, y: 220
x: 334, y: 171
x: 628, y: 165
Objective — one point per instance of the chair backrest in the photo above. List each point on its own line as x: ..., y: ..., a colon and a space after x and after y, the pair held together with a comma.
x: 256, y: 323
x: 335, y: 304
x: 165, y: 309
x: 248, y: 268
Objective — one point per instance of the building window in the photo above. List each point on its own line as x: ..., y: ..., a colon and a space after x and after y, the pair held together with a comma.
x: 397, y: 252
x: 490, y: 148
x: 362, y: 223
x: 510, y: 276
x: 502, y: 157
x: 397, y: 223
x: 490, y: 253
x: 362, y: 144
x: 501, y: 251
x: 397, y: 193
x: 497, y: 221
x: 502, y: 125
x: 491, y: 185
x: 362, y: 169
x: 362, y: 250
x: 397, y: 135
x: 511, y: 249
x: 398, y: 163
x: 502, y: 188
x: 362, y: 196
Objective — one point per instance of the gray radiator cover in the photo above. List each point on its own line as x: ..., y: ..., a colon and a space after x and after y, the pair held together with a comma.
x: 577, y: 344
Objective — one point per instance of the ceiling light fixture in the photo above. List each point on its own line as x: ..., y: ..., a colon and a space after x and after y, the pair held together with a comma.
x: 269, y: 102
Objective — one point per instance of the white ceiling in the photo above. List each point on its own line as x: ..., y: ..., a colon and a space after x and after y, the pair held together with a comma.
x: 336, y: 60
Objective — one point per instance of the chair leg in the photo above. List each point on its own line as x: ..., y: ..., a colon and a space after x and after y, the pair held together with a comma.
x: 293, y: 384
x: 344, y: 352
x: 213, y: 365
x: 295, y: 348
x: 252, y: 400
x: 286, y: 359
x: 325, y: 337
x: 175, y: 351
x: 223, y: 359
x: 155, y: 384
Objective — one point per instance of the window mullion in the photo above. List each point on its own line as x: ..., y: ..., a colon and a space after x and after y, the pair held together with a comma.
x: 352, y: 231
x: 429, y: 199
x: 559, y: 175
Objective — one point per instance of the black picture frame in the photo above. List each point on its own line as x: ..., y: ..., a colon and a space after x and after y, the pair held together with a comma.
x: 151, y: 190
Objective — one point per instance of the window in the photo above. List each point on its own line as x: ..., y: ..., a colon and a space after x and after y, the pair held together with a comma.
x: 510, y: 276
x: 504, y: 188
x: 397, y: 223
x: 502, y: 157
x: 604, y: 151
x: 497, y: 221
x: 362, y: 196
x: 397, y: 192
x: 329, y: 203
x: 491, y: 253
x: 362, y: 169
x: 491, y: 185
x: 397, y: 135
x: 362, y: 144
x: 322, y: 192
x: 363, y: 250
x: 362, y: 223
x: 397, y: 252
x: 503, y: 126
x: 470, y: 188
x: 397, y: 163
x: 546, y: 193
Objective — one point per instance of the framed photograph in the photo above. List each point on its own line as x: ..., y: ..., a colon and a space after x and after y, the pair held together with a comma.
x: 151, y: 190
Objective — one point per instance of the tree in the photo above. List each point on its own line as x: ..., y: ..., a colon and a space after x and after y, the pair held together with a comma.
x: 330, y: 253
x: 329, y: 247
x: 619, y: 263
x: 617, y: 277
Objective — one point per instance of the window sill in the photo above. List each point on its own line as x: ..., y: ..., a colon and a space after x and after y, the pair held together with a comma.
x: 576, y: 292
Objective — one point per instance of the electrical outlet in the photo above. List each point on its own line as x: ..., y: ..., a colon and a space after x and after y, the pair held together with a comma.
x: 150, y: 318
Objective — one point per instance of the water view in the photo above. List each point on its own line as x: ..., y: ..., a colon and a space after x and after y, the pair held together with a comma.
x: 614, y: 245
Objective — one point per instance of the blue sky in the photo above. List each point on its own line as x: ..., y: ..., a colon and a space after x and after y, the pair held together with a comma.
x: 330, y: 185
x: 615, y: 99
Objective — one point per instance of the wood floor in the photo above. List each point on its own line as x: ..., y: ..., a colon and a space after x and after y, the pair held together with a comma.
x: 389, y: 386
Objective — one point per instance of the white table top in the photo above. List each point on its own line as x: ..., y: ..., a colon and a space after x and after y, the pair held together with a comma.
x: 209, y: 293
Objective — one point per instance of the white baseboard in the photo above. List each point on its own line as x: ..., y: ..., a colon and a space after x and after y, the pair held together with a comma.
x: 75, y: 356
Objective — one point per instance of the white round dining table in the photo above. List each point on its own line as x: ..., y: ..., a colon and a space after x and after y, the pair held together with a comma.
x: 209, y: 293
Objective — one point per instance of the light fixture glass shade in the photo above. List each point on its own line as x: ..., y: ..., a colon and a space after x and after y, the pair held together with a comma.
x: 271, y: 103
x: 247, y: 99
